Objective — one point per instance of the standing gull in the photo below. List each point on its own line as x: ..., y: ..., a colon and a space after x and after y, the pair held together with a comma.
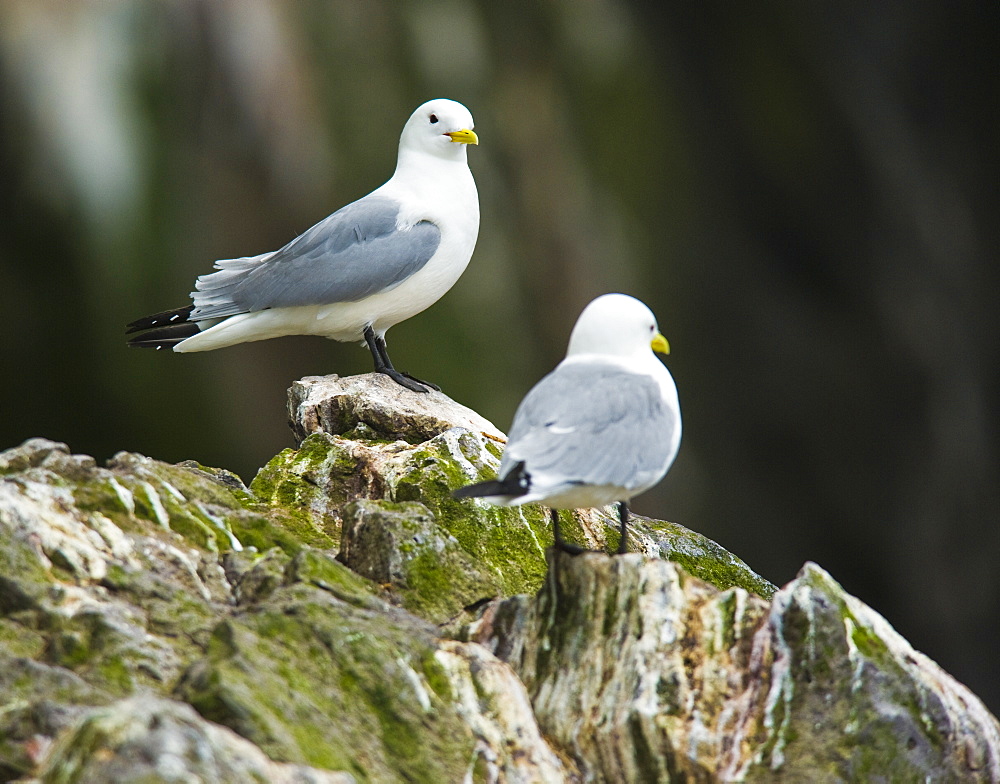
x: 602, y: 427
x: 353, y: 275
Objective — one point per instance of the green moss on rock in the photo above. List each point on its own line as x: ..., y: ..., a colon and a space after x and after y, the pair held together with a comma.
x: 38, y: 700
x: 510, y: 541
x: 323, y: 571
x: 318, y: 680
x: 110, y: 648
x: 24, y: 580
x: 703, y: 558
x: 401, y: 546
x: 143, y: 575
x: 309, y: 485
x: 850, y: 709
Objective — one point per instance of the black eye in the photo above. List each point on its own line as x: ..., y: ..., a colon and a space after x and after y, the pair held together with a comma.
x: 434, y: 119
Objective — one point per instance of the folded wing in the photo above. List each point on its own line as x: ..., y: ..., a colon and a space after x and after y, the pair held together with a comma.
x: 354, y: 253
x: 593, y: 423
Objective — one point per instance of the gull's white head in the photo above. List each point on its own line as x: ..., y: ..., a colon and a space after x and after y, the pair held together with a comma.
x: 618, y: 325
x: 440, y: 127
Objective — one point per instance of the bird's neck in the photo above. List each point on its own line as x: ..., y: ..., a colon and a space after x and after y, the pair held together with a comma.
x: 420, y: 161
x: 424, y: 176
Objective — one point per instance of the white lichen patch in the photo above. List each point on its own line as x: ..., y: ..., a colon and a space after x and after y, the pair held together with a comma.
x: 219, y: 523
x: 45, y: 515
x: 164, y: 554
x: 854, y: 656
x: 782, y: 684
x: 493, y: 702
x: 159, y: 510
x: 113, y: 536
x: 124, y: 495
x: 522, y: 518
x: 416, y: 682
x: 458, y: 441
x: 173, y: 491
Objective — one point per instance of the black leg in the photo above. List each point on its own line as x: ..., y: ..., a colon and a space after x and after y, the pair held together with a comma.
x: 384, y: 352
x: 377, y: 346
x: 383, y: 365
x: 560, y: 543
x: 623, y: 517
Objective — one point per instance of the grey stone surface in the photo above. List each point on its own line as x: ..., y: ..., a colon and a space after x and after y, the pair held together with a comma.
x: 144, y: 739
x: 373, y: 404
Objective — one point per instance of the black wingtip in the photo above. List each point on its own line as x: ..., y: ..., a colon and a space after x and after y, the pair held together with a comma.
x: 479, y: 490
x: 514, y: 484
x: 167, y: 318
x: 164, y: 337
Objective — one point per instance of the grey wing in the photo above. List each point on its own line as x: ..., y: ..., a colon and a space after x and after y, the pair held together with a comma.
x: 593, y: 424
x: 348, y: 256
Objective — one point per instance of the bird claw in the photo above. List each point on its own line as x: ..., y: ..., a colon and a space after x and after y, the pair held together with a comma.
x: 571, y: 549
x: 408, y: 381
x: 574, y: 549
x: 416, y: 380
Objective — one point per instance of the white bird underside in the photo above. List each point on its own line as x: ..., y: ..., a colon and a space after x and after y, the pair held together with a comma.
x: 573, y: 496
x: 343, y: 321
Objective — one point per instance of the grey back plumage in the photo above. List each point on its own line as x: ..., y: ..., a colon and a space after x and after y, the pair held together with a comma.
x: 593, y: 423
x: 347, y: 256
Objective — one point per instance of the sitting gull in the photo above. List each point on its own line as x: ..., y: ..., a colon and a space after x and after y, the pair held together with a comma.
x: 602, y: 427
x: 372, y: 264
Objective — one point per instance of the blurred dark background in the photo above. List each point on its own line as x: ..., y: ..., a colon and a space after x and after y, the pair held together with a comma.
x: 805, y: 193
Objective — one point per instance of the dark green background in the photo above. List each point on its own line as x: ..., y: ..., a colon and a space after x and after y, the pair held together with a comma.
x: 805, y: 193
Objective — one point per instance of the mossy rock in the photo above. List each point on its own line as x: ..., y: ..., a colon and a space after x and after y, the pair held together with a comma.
x: 702, y: 557
x: 444, y: 555
x: 138, y: 579
x: 509, y: 541
x: 851, y: 700
x: 454, y: 554
x: 308, y: 486
x: 146, y: 739
x: 400, y: 546
x: 326, y: 674
x: 38, y: 700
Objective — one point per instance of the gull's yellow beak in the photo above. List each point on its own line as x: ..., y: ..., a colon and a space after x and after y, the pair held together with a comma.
x: 659, y: 344
x: 464, y: 136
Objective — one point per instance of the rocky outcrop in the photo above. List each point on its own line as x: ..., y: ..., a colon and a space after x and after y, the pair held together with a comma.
x: 141, y: 579
x: 643, y: 673
x: 343, y: 618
